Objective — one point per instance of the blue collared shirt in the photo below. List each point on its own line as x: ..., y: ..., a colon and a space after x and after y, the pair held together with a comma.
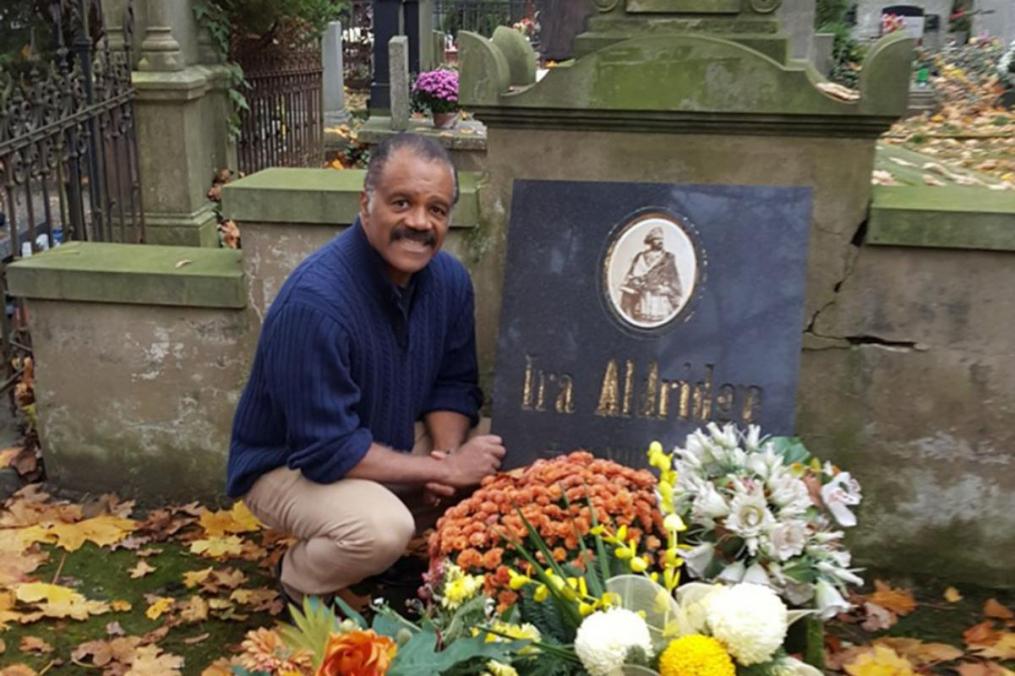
x: 346, y: 358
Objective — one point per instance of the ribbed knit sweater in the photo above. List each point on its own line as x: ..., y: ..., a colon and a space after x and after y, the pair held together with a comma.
x: 346, y: 358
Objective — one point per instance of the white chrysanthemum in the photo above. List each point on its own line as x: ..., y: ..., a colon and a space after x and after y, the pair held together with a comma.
x: 749, y: 620
x: 789, y: 494
x: 709, y: 505
x: 786, y: 540
x: 749, y: 517
x: 605, y: 638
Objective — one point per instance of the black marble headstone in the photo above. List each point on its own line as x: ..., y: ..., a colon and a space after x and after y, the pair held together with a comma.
x: 635, y: 312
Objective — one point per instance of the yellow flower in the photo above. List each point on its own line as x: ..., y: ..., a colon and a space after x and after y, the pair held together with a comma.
x: 696, y: 655
x: 459, y: 587
x: 882, y: 661
x: 495, y: 668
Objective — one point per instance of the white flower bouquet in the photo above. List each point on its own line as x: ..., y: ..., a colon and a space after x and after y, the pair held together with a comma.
x: 764, y: 511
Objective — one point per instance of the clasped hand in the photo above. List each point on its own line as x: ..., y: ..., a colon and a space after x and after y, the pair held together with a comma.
x: 475, y: 459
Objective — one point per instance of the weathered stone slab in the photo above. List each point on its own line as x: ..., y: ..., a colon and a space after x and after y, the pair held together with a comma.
x: 398, y: 75
x: 641, y: 311
x: 333, y: 82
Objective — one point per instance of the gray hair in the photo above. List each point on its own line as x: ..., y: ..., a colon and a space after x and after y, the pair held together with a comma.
x: 421, y: 146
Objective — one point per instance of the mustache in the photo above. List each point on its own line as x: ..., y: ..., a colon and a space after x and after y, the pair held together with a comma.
x: 422, y: 236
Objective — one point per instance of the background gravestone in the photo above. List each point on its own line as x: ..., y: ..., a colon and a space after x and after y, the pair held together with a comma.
x: 598, y: 350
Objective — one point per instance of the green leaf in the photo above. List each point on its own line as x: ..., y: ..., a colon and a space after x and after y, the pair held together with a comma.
x: 420, y: 655
x: 312, y: 627
x: 791, y: 449
x: 350, y: 612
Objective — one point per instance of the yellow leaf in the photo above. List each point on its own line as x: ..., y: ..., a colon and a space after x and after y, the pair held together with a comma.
x: 19, y: 669
x: 57, y: 601
x: 236, y: 520
x: 994, y: 609
x: 158, y: 607
x: 899, y: 601
x: 217, y: 547
x: 1003, y: 649
x: 952, y: 595
x: 141, y: 569
x: 918, y: 653
x: 103, y: 530
x: 121, y: 606
x: 193, y: 578
x: 3, y: 646
x: 880, y: 661
x: 195, y: 610
x: 150, y: 661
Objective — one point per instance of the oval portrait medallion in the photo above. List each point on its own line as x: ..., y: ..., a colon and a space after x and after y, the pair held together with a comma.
x: 651, y: 270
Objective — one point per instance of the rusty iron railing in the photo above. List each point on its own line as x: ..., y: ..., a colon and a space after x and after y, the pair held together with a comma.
x: 283, y: 126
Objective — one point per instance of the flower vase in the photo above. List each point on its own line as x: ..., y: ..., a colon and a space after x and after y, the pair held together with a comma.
x: 445, y: 120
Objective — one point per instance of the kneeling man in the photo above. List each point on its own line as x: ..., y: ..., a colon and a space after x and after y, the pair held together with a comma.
x: 368, y: 337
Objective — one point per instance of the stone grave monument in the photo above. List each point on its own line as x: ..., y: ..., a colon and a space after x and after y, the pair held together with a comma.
x: 683, y: 131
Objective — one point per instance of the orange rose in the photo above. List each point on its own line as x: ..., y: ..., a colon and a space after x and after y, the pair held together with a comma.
x: 357, y: 653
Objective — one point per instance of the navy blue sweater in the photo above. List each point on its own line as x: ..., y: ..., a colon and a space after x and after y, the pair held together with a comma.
x: 346, y: 358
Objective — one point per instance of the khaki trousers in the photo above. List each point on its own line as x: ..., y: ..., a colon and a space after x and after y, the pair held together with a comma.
x: 347, y: 531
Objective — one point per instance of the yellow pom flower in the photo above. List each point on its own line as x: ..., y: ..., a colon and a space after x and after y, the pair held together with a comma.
x: 459, y: 587
x: 696, y: 655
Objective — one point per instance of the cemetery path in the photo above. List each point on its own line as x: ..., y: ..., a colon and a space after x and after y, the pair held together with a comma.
x: 99, y: 584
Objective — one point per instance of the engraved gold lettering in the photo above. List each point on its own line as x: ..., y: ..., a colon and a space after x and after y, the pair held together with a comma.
x: 647, y: 407
x: 724, y: 403
x: 628, y: 388
x: 609, y: 394
x: 752, y: 406
x: 527, y: 385
x: 565, y: 396
x: 541, y: 391
x: 703, y: 395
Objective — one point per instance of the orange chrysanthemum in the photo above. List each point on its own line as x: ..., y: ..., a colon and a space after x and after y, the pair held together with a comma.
x: 557, y: 497
x: 357, y: 653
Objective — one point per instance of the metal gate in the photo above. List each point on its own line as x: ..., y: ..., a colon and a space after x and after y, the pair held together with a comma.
x: 283, y: 123
x: 68, y: 150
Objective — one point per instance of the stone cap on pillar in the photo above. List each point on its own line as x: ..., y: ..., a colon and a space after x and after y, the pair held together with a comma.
x: 686, y: 82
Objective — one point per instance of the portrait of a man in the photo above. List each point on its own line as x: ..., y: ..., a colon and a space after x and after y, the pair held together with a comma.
x: 651, y: 271
x: 651, y: 289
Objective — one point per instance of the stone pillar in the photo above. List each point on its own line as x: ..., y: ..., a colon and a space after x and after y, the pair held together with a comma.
x: 797, y: 19
x: 387, y: 24
x: 398, y: 79
x: 333, y: 93
x: 182, y: 114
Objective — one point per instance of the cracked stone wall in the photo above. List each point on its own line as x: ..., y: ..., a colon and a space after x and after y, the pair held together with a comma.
x: 908, y: 380
x: 139, y: 399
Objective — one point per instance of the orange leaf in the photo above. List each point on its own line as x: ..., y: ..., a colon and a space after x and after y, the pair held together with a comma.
x: 32, y: 644
x: 994, y: 609
x: 982, y: 669
x: 981, y: 635
x: 899, y: 601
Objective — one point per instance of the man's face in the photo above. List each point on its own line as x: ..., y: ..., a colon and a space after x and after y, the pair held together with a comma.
x: 408, y: 217
x: 655, y: 243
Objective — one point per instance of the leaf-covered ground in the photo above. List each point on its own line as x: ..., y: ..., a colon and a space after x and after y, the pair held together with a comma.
x: 99, y: 587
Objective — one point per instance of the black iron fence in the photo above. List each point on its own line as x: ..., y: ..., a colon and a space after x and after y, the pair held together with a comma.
x: 69, y: 166
x: 480, y: 16
x: 68, y: 150
x: 283, y: 126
